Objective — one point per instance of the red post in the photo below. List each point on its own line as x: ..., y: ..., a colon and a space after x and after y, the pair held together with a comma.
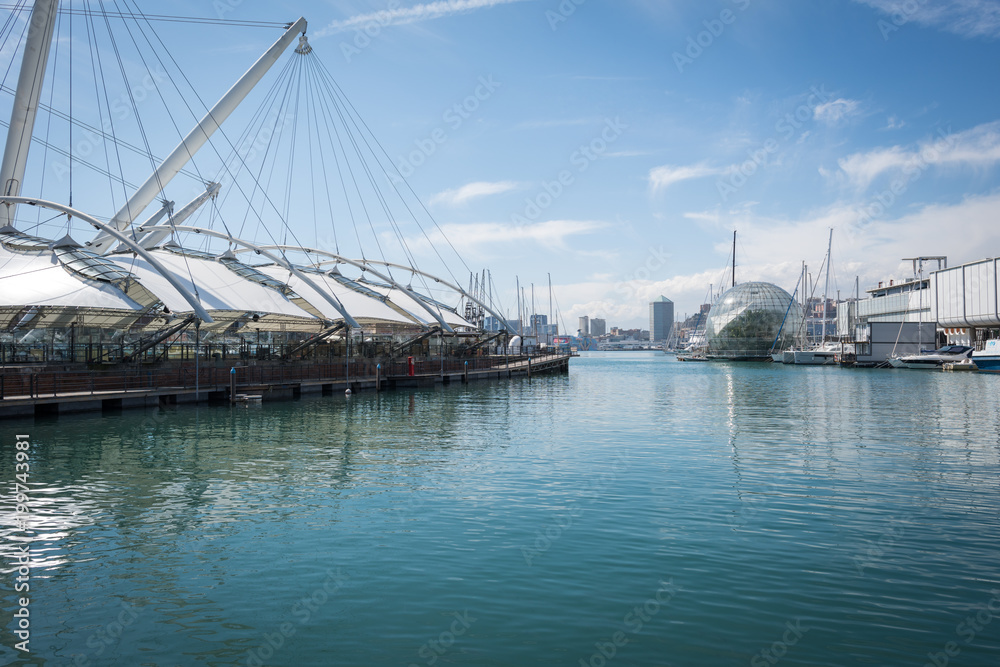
x: 409, y: 367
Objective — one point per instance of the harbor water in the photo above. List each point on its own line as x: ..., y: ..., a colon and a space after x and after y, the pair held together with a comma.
x: 635, y: 511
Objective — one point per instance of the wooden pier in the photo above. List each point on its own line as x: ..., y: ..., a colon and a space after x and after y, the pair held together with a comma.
x: 27, y: 391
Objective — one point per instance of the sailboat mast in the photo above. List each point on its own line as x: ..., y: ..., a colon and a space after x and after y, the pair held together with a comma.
x: 734, y: 258
x: 29, y: 89
x: 826, y: 289
x: 548, y: 328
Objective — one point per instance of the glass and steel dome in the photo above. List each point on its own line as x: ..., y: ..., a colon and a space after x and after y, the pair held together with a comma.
x: 746, y: 320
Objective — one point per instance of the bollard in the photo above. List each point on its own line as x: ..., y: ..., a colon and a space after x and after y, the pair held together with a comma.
x: 378, y: 378
x: 232, y: 385
x: 410, y: 370
x: 466, y: 372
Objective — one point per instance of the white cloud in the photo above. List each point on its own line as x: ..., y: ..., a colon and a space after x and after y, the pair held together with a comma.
x: 772, y: 250
x: 422, y: 12
x: 834, y: 111
x: 978, y: 147
x: 493, y: 236
x: 967, y: 18
x: 667, y: 175
x: 471, y: 191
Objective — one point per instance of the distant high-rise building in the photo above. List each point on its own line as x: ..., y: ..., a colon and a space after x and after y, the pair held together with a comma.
x: 584, y: 326
x: 661, y: 319
x: 598, y: 327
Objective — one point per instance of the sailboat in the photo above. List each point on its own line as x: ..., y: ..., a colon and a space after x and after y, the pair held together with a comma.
x: 825, y: 353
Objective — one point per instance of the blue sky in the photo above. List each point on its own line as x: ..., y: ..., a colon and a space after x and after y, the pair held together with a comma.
x: 616, y: 145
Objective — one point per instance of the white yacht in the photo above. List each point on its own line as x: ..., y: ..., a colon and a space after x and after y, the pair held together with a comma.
x: 933, y: 358
x: 988, y: 359
x: 822, y: 355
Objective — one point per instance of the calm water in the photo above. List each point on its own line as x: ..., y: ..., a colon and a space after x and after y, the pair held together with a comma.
x: 638, y: 511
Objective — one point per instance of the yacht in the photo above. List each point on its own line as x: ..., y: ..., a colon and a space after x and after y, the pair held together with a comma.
x: 822, y: 355
x: 933, y: 358
x: 988, y: 359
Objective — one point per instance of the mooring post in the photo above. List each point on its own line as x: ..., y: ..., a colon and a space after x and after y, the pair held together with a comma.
x: 466, y: 372
x: 232, y: 385
x: 378, y: 377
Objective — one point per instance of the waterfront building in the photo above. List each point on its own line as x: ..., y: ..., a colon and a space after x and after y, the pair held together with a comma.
x: 598, y: 327
x: 959, y: 301
x: 150, y: 286
x: 584, y: 326
x: 750, y: 320
x: 661, y: 319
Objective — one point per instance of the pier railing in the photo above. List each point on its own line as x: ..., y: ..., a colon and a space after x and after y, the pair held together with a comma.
x: 21, y: 381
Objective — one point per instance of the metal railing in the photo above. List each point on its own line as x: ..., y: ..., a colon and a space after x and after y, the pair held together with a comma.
x: 17, y: 382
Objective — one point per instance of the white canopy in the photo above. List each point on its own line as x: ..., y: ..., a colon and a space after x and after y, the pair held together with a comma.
x: 38, y: 279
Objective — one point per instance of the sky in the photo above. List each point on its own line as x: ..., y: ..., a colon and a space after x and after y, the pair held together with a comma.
x: 616, y: 145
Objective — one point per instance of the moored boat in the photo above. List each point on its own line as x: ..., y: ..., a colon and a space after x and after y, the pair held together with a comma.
x: 933, y: 359
x: 988, y: 359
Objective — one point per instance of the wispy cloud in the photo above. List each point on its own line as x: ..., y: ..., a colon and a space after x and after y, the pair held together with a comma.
x: 968, y: 18
x: 667, y: 175
x: 472, y: 191
x: 977, y: 147
x: 414, y: 14
x: 477, y: 237
x: 834, y: 111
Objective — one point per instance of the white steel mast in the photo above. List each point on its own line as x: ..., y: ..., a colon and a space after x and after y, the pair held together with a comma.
x: 22, y: 117
x: 190, y: 145
x: 826, y: 290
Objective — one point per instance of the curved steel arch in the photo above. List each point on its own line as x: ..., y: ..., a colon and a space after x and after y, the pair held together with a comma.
x: 263, y: 250
x: 361, y: 265
x: 199, y: 310
x: 444, y: 282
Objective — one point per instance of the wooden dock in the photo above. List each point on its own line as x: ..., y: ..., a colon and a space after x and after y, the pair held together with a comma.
x: 29, y: 392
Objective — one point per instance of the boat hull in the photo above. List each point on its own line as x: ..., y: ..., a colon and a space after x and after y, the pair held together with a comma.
x: 814, y: 358
x: 988, y: 359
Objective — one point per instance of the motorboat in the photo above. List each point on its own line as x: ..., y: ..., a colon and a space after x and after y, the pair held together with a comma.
x: 933, y: 358
x: 988, y: 358
x: 827, y: 354
x: 818, y: 356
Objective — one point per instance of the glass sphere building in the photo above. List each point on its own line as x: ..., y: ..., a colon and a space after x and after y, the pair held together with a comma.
x: 746, y: 321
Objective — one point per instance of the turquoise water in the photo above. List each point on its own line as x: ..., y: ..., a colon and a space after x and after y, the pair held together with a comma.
x: 637, y: 511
